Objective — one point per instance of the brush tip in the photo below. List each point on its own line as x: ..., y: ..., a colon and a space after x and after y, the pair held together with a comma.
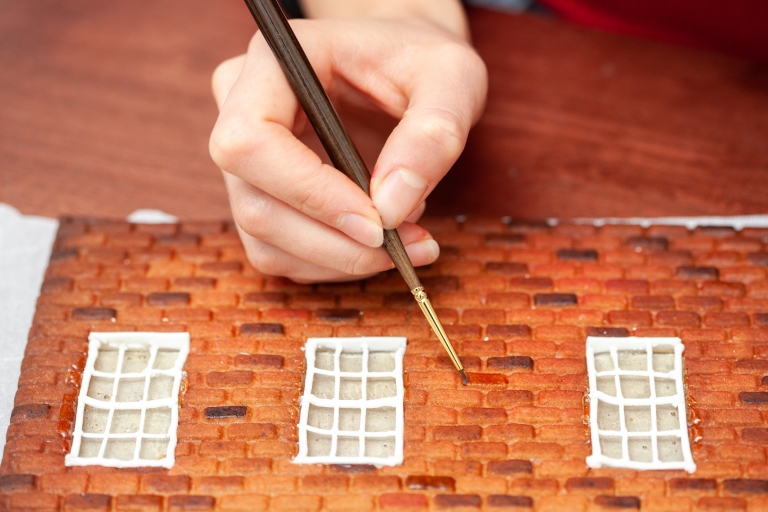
x: 464, y: 378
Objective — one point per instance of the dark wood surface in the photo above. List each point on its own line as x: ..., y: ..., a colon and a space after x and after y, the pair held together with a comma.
x: 105, y: 107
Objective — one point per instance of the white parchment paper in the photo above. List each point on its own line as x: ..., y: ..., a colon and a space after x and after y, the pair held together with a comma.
x: 25, y: 246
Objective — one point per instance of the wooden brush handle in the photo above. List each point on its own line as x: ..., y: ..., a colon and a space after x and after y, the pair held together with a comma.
x: 323, y: 116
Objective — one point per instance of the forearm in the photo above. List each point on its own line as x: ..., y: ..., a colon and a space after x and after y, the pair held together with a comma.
x: 448, y: 14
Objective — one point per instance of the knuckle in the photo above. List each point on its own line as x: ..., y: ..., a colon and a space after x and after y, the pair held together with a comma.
x: 262, y: 260
x: 445, y: 129
x: 230, y: 141
x: 253, y: 215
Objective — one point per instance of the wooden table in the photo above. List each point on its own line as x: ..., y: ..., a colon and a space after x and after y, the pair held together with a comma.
x: 105, y: 108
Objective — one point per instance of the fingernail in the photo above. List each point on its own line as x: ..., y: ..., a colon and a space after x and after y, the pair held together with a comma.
x: 424, y: 252
x: 365, y: 231
x: 397, y: 196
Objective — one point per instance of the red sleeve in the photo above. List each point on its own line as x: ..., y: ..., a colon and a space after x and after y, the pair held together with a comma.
x: 739, y: 27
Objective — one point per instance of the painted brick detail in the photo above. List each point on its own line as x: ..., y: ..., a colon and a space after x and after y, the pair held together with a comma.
x: 518, y: 299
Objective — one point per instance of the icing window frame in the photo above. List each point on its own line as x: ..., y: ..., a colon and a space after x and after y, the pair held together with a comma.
x: 637, y: 413
x: 129, y: 400
x: 352, y: 404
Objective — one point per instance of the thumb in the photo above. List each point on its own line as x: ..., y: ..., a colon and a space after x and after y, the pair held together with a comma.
x: 445, y: 99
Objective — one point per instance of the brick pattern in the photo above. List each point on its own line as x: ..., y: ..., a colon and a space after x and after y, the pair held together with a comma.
x: 518, y: 300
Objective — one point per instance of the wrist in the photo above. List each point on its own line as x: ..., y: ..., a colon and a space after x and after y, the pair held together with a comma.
x: 446, y: 14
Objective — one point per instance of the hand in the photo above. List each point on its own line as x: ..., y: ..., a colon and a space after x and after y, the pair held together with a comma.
x: 303, y: 219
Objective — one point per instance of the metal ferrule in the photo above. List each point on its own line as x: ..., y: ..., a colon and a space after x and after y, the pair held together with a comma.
x: 426, y: 307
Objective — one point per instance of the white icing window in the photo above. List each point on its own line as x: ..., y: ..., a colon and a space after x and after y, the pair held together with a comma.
x: 352, y: 407
x: 637, y: 404
x: 128, y: 407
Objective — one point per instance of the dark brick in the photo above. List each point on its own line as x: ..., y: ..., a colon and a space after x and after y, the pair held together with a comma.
x: 337, y: 315
x: 166, y: 484
x: 746, y: 485
x: 181, y: 502
x: 718, y: 231
x: 271, y: 298
x: 617, y: 501
x: 764, y: 381
x: 430, y: 483
x: 755, y: 435
x: 692, y: 484
x: 167, y: 299
x: 56, y: 284
x: 761, y: 319
x: 555, y: 299
x: 495, y: 267
x: 227, y: 411
x: 577, y: 254
x: 253, y: 329
x: 194, y: 282
x: 29, y: 412
x: 760, y: 365
x: 352, y: 468
x: 648, y: 242
x: 63, y: 254
x: 698, y: 272
x: 754, y: 397
x: 457, y: 500
x: 260, y: 360
x: 506, y: 467
x: 458, y: 432
x: 439, y: 284
x: 531, y: 283
x: 87, y: 501
x: 510, y: 362
x: 505, y: 501
x: 758, y: 258
x: 608, y: 332
x: 93, y: 313
x: 504, y: 239
x: 509, y: 331
x: 21, y: 482
x: 596, y: 483
x: 177, y: 239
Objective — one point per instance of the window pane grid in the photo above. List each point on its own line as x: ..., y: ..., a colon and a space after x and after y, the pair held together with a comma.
x: 352, y: 432
x: 652, y: 429
x: 145, y: 400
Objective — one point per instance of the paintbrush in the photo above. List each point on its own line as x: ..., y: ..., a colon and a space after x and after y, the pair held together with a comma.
x: 337, y: 143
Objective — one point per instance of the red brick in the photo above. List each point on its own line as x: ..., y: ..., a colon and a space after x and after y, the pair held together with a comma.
x: 483, y: 451
x: 732, y: 417
x: 535, y: 451
x: 402, y: 501
x: 560, y: 366
x: 533, y: 382
x: 482, y: 415
x: 456, y: 397
x: 721, y: 504
x: 560, y: 398
x: 630, y: 318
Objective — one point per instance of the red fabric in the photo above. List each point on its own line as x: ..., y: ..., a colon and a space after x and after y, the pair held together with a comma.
x: 738, y: 27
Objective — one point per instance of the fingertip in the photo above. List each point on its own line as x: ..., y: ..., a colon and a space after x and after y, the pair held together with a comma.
x: 398, y: 195
x: 423, y: 252
x: 361, y: 229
